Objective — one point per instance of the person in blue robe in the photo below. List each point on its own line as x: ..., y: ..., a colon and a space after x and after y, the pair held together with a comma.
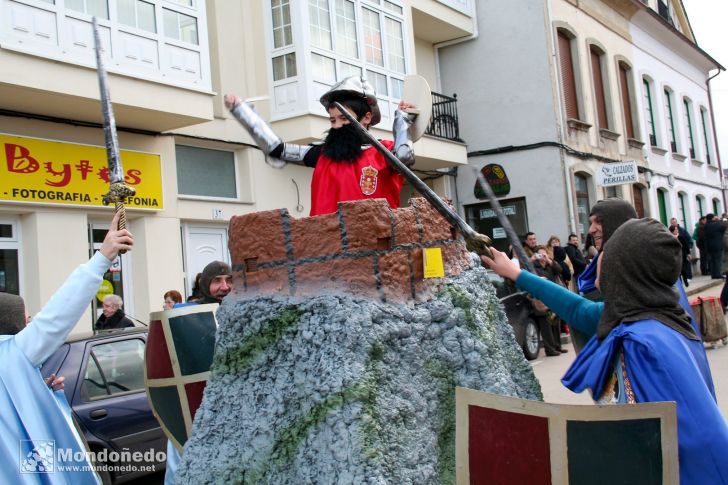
x: 644, y: 347
x: 39, y: 443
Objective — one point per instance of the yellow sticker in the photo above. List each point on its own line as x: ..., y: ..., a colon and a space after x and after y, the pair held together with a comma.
x: 106, y: 288
x: 433, y: 263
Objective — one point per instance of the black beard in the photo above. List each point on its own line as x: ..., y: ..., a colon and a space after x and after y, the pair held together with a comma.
x: 343, y: 144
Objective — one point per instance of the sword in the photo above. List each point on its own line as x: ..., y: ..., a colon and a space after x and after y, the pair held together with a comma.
x: 474, y: 241
x: 118, y: 190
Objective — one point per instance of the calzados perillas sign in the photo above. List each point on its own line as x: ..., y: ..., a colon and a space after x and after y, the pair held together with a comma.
x: 618, y: 173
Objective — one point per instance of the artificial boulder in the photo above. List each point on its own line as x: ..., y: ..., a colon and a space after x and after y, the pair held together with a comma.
x: 319, y: 383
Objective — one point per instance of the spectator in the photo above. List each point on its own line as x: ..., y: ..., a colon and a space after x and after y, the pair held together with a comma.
x: 699, y: 237
x: 172, y: 298
x: 215, y: 282
x: 112, y: 315
x: 714, y: 231
x: 530, y: 244
x: 575, y: 255
x: 196, y: 295
x: 558, y: 254
x: 686, y: 271
x: 548, y: 325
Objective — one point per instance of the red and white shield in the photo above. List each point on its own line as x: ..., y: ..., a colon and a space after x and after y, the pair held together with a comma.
x: 368, y: 181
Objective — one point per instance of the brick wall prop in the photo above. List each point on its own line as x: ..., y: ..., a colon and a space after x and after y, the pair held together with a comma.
x: 365, y: 249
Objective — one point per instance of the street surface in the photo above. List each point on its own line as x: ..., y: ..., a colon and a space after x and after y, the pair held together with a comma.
x: 549, y: 370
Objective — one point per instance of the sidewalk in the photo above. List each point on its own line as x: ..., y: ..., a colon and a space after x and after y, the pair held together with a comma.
x: 700, y: 284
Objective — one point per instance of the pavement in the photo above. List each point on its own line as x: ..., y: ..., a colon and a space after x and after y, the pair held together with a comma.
x: 549, y: 370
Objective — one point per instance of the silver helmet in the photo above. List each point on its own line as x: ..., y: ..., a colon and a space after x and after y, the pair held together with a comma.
x: 353, y: 87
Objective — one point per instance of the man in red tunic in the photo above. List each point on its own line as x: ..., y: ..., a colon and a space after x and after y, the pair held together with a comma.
x: 345, y: 167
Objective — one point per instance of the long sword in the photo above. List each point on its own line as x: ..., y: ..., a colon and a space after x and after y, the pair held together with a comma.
x: 474, y: 241
x: 118, y: 190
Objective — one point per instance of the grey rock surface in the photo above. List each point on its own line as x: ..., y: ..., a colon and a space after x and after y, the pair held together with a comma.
x: 336, y: 389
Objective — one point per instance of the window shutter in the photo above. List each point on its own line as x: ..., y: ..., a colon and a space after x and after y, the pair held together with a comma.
x: 599, y: 89
x: 568, y: 83
x: 626, y: 100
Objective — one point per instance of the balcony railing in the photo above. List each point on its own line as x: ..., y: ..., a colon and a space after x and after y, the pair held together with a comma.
x: 444, y: 121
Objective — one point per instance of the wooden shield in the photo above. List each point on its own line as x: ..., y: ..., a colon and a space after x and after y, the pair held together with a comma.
x: 180, y: 347
x: 417, y: 92
x: 503, y: 440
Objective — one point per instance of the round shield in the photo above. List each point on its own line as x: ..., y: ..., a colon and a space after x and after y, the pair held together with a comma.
x: 179, y: 351
x: 417, y: 92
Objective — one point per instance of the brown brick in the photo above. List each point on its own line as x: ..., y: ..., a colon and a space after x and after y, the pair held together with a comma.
x: 368, y: 224
x: 406, y: 229
x: 316, y: 236
x: 263, y: 282
x: 455, y: 258
x: 354, y: 276
x: 434, y: 226
x: 257, y: 236
x: 394, y: 270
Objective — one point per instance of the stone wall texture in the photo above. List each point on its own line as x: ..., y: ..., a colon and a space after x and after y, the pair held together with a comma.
x: 364, y: 249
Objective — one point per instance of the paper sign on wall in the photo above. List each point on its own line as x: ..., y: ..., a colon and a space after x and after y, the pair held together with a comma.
x: 432, y: 258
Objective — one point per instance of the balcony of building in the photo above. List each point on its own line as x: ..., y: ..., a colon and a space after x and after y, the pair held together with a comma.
x: 442, y: 20
x: 159, y: 77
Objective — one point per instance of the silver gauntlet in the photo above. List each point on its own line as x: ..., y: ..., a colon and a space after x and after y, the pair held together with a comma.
x: 403, y: 145
x: 259, y: 130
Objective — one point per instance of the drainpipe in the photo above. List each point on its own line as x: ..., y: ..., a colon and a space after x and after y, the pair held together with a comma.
x: 447, y: 43
x: 568, y: 178
x: 715, y: 138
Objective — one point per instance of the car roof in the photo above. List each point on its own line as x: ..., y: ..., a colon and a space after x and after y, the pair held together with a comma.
x: 100, y: 334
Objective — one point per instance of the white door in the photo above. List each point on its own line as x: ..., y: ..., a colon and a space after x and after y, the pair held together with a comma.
x: 202, y: 245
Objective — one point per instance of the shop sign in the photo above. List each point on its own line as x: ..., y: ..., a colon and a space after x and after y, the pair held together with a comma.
x: 496, y: 177
x: 509, y: 210
x: 617, y: 173
x: 53, y: 172
x: 499, y: 233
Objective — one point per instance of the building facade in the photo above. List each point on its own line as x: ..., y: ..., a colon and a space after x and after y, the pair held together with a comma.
x: 562, y: 92
x: 193, y: 167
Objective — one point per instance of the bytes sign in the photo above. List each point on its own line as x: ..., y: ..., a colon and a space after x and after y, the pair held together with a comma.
x: 52, y: 172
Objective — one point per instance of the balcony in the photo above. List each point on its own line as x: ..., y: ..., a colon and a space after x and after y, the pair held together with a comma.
x: 444, y: 121
x: 442, y: 20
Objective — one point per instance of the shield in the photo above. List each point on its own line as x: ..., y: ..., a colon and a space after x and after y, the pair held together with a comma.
x: 417, y: 92
x: 503, y: 440
x: 180, y: 347
x: 368, y: 181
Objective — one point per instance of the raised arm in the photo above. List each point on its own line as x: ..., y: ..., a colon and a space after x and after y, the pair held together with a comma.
x: 277, y: 153
x: 403, y: 144
x: 577, y: 311
x: 51, y: 326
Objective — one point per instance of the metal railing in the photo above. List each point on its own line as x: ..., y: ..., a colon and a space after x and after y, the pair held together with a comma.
x: 444, y: 121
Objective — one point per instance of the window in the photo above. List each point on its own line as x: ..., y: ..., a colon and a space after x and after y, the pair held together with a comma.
x: 9, y: 257
x: 395, y: 45
x: 282, y: 34
x: 136, y: 13
x: 650, y: 112
x: 706, y: 138
x: 284, y: 66
x: 681, y: 204
x: 626, y: 92
x: 114, y: 368
x: 346, y: 42
x: 600, y: 97
x: 373, y: 53
x: 611, y: 191
x: 206, y: 173
x: 662, y: 206
x: 179, y: 26
x: 319, y: 23
x: 94, y: 8
x: 671, y: 135
x: 699, y: 202
x: 346, y: 70
x: 581, y: 187
x: 716, y: 207
x: 323, y: 68
x: 689, y: 126
x: 568, y: 80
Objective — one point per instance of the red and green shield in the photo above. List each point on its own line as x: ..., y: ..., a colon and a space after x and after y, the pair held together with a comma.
x: 179, y: 352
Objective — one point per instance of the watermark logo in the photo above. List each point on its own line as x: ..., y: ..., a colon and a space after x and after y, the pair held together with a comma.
x: 37, y: 456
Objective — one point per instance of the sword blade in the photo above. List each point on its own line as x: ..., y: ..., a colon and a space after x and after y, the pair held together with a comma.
x: 116, y: 171
x: 440, y: 206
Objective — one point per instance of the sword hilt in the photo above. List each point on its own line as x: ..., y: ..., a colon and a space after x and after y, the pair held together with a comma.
x: 122, y: 219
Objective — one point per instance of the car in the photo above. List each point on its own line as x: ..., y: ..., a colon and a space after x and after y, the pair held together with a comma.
x: 519, y: 311
x: 104, y: 386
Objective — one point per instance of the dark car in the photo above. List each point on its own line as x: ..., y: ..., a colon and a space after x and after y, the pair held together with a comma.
x: 519, y: 311
x: 104, y: 374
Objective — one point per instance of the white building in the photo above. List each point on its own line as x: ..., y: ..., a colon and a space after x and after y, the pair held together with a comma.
x: 556, y: 90
x: 193, y: 166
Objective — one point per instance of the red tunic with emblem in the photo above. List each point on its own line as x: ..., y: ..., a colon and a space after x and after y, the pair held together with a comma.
x: 369, y: 177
